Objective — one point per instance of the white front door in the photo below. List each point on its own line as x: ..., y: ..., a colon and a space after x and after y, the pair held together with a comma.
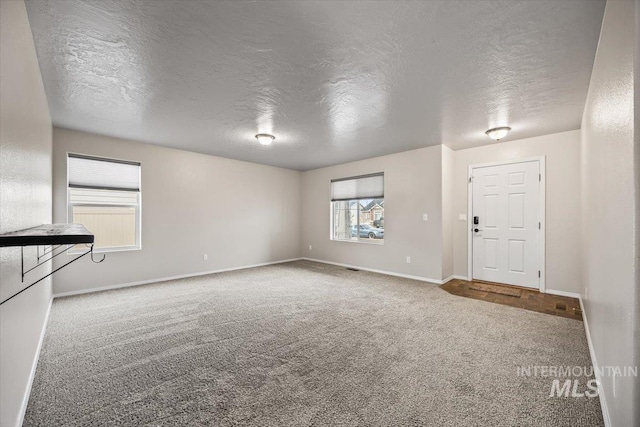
x: 505, y: 223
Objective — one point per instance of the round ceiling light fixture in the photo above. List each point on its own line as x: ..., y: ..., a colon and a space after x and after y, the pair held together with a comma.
x: 498, y: 133
x: 265, y: 138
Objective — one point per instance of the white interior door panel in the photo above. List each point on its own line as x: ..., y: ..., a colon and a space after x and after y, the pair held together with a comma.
x: 507, y: 237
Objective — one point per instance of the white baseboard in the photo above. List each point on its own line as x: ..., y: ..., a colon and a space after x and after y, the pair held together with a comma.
x: 594, y: 362
x: 562, y: 293
x: 388, y: 273
x: 34, y: 365
x: 165, y: 279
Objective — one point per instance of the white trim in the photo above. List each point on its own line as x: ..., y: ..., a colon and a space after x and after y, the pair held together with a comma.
x: 373, y: 270
x: 459, y: 277
x: 508, y: 162
x: 165, y: 279
x: 138, y: 206
x: 448, y: 279
x: 562, y: 293
x: 364, y: 242
x: 543, y: 224
x: 594, y: 362
x: 469, y: 224
x: 34, y: 365
x: 543, y: 203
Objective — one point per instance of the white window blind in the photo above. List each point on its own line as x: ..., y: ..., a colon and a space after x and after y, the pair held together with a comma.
x: 358, y: 187
x: 89, y: 172
x: 90, y: 196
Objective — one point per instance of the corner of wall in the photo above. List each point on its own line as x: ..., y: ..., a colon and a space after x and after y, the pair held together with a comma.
x: 636, y: 135
x: 25, y: 188
x: 448, y: 159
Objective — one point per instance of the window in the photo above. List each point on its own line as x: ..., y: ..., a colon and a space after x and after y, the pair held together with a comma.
x: 357, y: 208
x: 104, y: 196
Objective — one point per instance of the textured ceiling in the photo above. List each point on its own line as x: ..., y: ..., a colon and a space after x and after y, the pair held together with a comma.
x: 333, y: 81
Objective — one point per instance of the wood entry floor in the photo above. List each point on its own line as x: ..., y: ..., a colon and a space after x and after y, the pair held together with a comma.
x: 528, y: 299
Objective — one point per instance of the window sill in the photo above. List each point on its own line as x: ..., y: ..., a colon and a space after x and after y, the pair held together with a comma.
x: 75, y: 251
x: 364, y: 242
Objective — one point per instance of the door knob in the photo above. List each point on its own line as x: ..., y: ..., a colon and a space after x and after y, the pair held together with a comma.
x: 476, y: 230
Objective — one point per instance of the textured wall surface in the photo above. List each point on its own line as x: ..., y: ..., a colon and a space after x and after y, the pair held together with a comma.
x: 562, y: 152
x: 609, y: 211
x: 238, y: 213
x: 25, y: 201
x: 413, y: 186
x: 334, y: 81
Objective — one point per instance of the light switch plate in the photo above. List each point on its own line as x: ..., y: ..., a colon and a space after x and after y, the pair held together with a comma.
x: 425, y: 217
x: 462, y: 217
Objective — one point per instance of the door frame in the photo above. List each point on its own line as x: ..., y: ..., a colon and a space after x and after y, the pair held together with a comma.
x: 543, y: 222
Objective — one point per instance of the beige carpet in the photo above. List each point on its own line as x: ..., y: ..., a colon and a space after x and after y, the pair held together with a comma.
x: 301, y: 344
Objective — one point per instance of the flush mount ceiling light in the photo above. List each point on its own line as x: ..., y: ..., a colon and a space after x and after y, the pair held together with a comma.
x: 265, y: 138
x: 498, y: 133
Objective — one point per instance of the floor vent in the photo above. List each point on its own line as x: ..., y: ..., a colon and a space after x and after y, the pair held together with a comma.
x: 352, y: 269
x: 561, y: 306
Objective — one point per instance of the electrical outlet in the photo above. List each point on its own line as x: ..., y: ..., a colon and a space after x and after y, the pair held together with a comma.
x: 310, y: 247
x: 425, y: 217
x: 408, y: 260
x: 205, y: 257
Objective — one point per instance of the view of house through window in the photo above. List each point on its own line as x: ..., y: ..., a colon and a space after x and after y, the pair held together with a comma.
x: 104, y: 196
x: 357, y: 206
x: 359, y: 219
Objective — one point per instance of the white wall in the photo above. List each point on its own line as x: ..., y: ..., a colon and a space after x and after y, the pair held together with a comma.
x: 243, y: 214
x: 562, y: 152
x: 609, y: 211
x: 445, y: 195
x: 25, y: 201
x: 238, y: 213
x: 413, y: 186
